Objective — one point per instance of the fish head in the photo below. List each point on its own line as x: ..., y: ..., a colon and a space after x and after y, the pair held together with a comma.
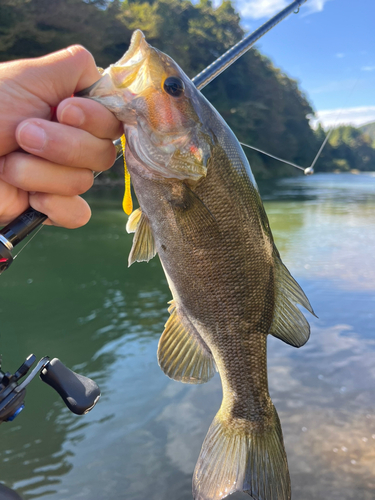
x: 161, y: 111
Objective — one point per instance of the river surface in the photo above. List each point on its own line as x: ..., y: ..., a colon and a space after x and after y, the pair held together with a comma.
x: 70, y: 295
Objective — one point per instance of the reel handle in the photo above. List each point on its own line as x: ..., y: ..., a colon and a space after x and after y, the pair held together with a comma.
x: 79, y: 393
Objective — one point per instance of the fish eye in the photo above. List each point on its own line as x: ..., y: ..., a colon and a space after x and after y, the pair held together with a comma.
x: 174, y: 86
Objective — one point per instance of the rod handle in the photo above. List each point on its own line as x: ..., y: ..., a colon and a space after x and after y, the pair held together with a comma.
x: 22, y: 226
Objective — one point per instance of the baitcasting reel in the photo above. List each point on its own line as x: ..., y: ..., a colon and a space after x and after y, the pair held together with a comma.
x: 79, y: 393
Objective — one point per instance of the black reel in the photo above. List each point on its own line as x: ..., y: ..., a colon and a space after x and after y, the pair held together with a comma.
x: 80, y: 394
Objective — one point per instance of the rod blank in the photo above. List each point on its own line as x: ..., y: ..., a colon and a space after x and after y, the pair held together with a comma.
x: 229, y: 57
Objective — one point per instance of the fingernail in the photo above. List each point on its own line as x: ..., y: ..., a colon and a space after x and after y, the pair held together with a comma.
x: 31, y: 136
x: 72, y: 115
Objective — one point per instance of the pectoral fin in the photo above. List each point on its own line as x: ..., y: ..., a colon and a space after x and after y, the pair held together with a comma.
x: 193, y: 216
x: 143, y: 248
x: 289, y: 324
x: 133, y: 221
x: 182, y: 354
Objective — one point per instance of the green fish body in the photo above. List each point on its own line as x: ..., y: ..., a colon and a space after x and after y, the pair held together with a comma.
x: 201, y: 211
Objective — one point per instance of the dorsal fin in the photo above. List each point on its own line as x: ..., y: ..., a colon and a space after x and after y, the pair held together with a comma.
x: 289, y: 324
x: 143, y: 248
x: 182, y: 354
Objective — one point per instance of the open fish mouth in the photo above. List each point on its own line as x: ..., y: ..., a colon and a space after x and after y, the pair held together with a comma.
x: 124, y: 71
x: 134, y: 53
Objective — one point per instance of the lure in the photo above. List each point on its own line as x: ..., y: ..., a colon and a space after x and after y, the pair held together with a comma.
x: 127, y: 202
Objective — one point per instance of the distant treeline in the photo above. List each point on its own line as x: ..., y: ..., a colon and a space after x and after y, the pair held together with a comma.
x: 348, y: 148
x: 263, y: 106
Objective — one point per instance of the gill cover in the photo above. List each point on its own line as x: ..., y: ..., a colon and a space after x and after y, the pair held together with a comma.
x: 160, y: 109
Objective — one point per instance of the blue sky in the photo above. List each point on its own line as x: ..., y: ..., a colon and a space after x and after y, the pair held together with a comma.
x: 329, y: 47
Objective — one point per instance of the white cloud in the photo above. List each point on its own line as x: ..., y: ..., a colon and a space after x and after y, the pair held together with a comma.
x: 340, y: 55
x: 336, y: 86
x: 316, y: 5
x: 344, y: 116
x: 368, y: 68
x: 257, y: 9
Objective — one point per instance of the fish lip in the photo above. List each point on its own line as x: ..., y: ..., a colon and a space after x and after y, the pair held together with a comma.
x: 136, y: 41
x: 85, y: 92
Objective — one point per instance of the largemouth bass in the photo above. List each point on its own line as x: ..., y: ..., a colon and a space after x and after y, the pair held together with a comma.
x: 201, y: 211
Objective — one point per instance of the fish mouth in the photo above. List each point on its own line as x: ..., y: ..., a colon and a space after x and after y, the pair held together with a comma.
x: 137, y: 47
x: 124, y: 71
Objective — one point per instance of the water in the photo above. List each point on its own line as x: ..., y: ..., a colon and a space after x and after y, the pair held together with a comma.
x: 70, y: 295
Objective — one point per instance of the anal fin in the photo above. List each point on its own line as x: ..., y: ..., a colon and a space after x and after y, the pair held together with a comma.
x: 289, y: 324
x: 182, y: 354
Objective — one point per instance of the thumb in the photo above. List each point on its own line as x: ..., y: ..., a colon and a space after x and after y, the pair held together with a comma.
x: 57, y: 76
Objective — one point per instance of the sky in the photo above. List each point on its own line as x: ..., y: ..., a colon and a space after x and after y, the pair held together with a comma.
x: 329, y: 47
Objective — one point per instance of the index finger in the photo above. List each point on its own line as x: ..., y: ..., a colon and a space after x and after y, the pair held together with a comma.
x: 90, y: 116
x: 56, y: 76
x: 30, y: 87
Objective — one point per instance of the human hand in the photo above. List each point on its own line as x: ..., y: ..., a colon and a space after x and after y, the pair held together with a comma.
x: 61, y: 164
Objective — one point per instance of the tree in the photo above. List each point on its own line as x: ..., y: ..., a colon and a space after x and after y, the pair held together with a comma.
x: 262, y: 105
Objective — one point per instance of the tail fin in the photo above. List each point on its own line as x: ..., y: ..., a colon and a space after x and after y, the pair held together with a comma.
x: 238, y: 459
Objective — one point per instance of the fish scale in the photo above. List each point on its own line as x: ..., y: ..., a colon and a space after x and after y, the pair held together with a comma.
x: 201, y: 211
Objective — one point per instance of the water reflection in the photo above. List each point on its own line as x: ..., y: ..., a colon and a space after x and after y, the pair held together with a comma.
x: 71, y: 295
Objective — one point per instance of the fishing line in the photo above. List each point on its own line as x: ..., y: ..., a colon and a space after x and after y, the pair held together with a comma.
x: 272, y: 156
x: 32, y: 237
x: 28, y: 221
x: 96, y: 174
x: 309, y: 170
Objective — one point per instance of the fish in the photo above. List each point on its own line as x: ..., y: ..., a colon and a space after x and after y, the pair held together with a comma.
x: 200, y: 210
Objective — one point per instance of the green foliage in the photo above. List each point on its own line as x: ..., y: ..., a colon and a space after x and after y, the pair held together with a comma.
x: 262, y: 105
x: 348, y: 148
x: 369, y: 130
x: 32, y: 28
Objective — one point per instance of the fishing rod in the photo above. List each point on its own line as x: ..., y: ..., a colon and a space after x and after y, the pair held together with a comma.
x: 230, y: 56
x: 31, y: 219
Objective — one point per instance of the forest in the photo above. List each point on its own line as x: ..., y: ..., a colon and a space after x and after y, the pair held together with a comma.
x: 265, y: 107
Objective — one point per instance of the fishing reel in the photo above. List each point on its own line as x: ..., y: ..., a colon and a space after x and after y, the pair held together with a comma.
x: 80, y: 394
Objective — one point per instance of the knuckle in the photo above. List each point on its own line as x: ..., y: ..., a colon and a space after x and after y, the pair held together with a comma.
x: 77, y: 50
x: 75, y: 156
x: 109, y: 156
x: 13, y: 169
x: 39, y: 201
x: 82, y: 57
x: 85, y: 181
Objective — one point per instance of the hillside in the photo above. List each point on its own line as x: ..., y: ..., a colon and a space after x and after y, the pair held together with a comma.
x: 264, y: 106
x: 369, y: 129
x: 269, y: 113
